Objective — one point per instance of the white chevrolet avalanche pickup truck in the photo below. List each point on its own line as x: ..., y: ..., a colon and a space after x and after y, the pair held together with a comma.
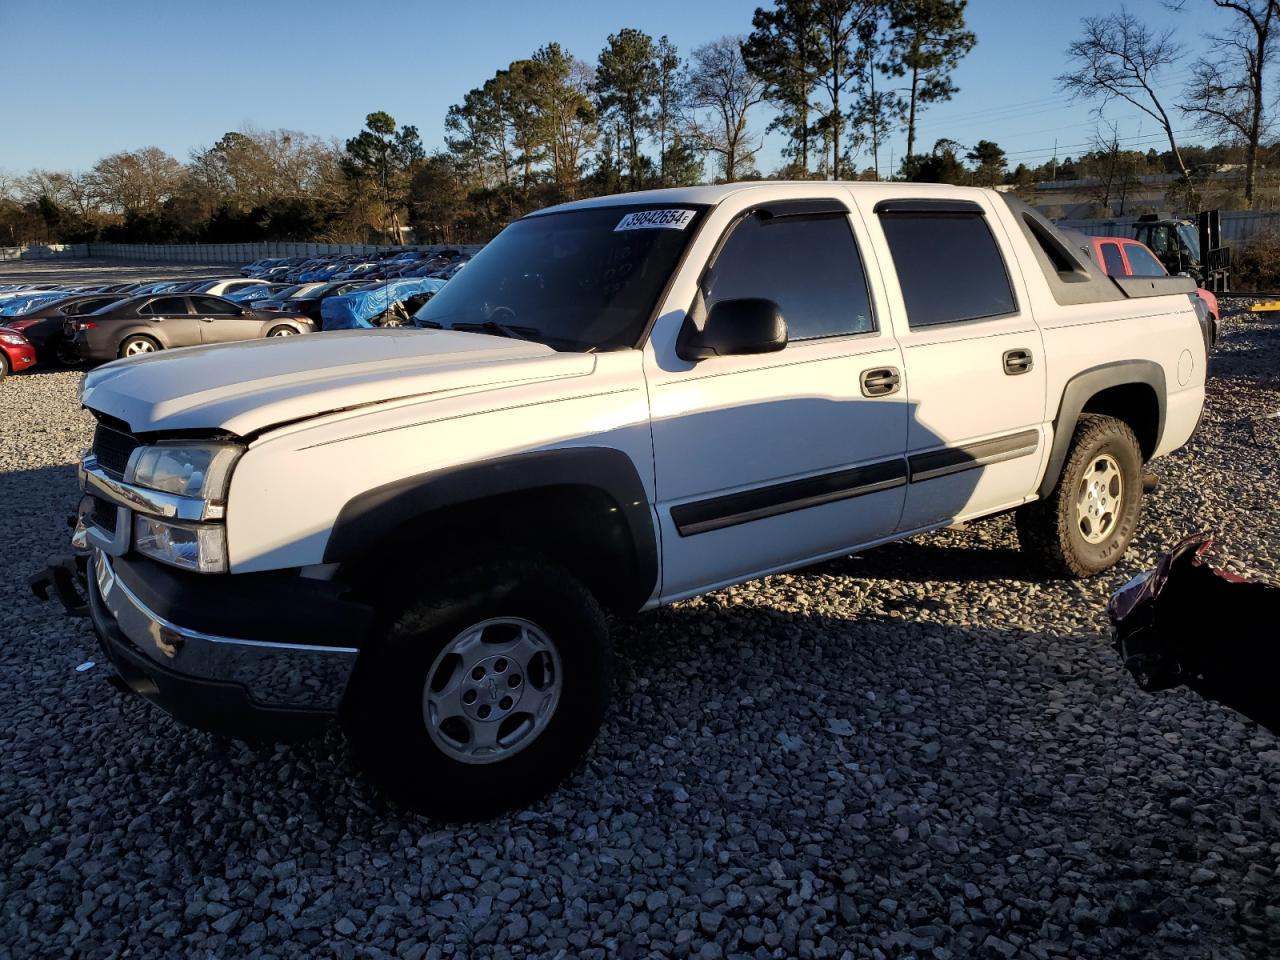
x: 620, y: 403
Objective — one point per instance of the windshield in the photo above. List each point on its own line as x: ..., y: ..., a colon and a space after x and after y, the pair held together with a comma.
x: 578, y: 280
x: 1190, y: 239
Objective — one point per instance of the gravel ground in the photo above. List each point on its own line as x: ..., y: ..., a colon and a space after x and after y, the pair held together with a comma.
x: 917, y: 752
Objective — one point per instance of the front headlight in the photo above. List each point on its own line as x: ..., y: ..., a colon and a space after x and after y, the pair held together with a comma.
x: 200, y: 470
x: 13, y: 339
x: 191, y: 546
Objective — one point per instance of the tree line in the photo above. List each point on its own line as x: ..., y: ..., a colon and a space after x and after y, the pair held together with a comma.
x: 840, y: 78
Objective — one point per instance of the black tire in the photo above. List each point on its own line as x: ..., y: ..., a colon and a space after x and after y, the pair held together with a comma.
x: 1048, y: 530
x: 137, y: 338
x: 384, y: 713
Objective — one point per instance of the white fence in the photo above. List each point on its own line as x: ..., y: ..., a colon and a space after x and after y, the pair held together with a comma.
x: 45, y: 251
x: 240, y: 253
x: 1238, y: 226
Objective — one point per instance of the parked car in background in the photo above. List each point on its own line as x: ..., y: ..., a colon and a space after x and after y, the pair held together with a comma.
x: 220, y: 288
x: 257, y: 292
x: 16, y: 352
x: 308, y: 301
x: 281, y: 272
x: 43, y: 325
x: 146, y: 324
x: 328, y: 271
x: 14, y: 306
x: 259, y: 267
x: 377, y: 270
x: 288, y: 291
x: 1122, y: 257
x: 23, y: 292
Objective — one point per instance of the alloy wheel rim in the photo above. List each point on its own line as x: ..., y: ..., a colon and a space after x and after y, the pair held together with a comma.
x: 492, y: 690
x: 139, y: 346
x: 283, y: 332
x: 1099, y: 499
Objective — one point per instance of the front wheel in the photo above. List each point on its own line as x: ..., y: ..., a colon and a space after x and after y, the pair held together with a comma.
x: 485, y: 696
x: 281, y: 331
x: 4, y: 366
x: 1085, y: 525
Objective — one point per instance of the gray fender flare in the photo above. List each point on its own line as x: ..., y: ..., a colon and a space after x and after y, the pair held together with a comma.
x: 1083, y: 387
x: 373, y: 516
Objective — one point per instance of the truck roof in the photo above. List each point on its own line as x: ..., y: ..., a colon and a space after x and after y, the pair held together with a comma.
x: 715, y: 193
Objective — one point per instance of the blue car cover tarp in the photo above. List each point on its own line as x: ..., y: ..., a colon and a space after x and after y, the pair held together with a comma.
x: 357, y: 310
x: 11, y: 308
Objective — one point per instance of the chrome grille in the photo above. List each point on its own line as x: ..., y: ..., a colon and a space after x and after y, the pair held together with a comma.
x: 113, y: 445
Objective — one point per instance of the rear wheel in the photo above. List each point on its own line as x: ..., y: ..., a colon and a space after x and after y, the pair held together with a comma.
x: 485, y: 696
x: 1085, y: 525
x: 136, y: 345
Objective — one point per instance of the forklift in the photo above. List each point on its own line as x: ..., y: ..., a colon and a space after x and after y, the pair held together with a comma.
x: 1184, y: 249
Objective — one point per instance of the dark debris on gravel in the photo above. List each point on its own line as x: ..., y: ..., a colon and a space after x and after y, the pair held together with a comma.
x: 917, y: 752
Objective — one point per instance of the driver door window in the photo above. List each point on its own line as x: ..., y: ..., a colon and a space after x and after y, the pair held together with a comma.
x: 214, y: 307
x: 1143, y: 264
x: 809, y: 266
x: 165, y: 307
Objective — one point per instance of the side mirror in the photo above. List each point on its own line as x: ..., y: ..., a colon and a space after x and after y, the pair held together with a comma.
x: 734, y: 328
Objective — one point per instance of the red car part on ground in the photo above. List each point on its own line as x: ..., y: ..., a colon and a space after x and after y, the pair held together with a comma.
x: 16, y: 352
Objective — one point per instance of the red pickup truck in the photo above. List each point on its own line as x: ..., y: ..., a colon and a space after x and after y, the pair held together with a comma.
x: 1123, y: 257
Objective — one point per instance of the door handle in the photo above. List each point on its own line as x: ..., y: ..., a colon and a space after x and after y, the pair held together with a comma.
x: 880, y: 381
x: 1017, y: 361
x: 206, y: 319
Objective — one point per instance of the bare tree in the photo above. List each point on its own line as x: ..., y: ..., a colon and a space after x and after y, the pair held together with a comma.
x: 1120, y: 58
x: 721, y: 84
x: 1225, y: 93
x: 136, y: 181
x: 8, y: 185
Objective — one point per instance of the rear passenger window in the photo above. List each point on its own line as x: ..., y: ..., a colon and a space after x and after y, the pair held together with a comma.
x: 948, y: 266
x: 809, y: 266
x: 1144, y: 262
x: 1112, y: 260
x: 88, y: 306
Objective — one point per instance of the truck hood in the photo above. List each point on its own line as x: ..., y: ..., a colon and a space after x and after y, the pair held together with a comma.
x: 242, y: 388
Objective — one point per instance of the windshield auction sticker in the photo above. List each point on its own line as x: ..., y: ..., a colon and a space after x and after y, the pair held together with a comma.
x: 655, y: 220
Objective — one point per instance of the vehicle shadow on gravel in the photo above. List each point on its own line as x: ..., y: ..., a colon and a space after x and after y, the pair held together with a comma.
x: 914, y: 561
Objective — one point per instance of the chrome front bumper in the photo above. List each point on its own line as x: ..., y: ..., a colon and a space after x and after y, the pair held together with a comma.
x: 272, y: 675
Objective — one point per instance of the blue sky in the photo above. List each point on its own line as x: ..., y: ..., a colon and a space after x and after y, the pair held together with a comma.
x: 88, y: 77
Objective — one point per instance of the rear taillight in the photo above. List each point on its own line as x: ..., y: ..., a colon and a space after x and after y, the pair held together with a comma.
x: 85, y: 325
